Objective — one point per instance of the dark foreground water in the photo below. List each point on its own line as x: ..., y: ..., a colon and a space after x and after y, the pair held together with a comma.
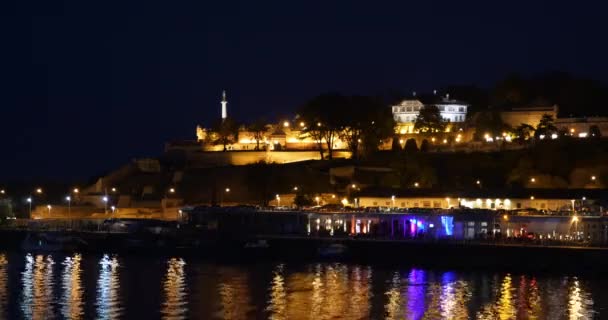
x: 114, y: 286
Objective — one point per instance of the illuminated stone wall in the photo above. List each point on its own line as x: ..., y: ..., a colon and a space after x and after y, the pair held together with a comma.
x: 207, y: 159
x: 529, y: 116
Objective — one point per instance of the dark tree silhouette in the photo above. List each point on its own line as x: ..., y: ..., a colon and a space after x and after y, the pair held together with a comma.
x: 224, y: 132
x: 410, y: 146
x: 258, y: 129
x: 322, y: 118
x: 594, y: 132
x: 523, y: 132
x: 424, y: 146
x: 490, y: 123
x: 545, y: 127
x: 396, y: 145
x: 429, y: 120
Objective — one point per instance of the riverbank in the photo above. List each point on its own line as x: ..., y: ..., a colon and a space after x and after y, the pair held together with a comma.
x: 444, y: 254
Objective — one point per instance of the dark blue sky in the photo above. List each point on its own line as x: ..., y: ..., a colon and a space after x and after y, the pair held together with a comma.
x: 89, y: 85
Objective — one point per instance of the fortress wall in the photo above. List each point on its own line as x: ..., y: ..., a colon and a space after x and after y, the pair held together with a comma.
x: 207, y: 159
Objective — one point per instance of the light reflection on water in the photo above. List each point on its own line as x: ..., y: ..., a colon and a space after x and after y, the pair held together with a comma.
x: 175, y: 305
x: 108, y: 302
x: 197, y: 289
x: 3, y: 286
x: 72, y: 298
x: 37, y: 281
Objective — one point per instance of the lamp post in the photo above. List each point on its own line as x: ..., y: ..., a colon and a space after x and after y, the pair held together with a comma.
x: 29, y: 201
x: 278, y: 200
x: 227, y: 191
x: 317, y: 199
x: 113, y: 209
x: 48, y: 206
x: 69, y: 200
x: 105, y: 204
x: 393, y: 201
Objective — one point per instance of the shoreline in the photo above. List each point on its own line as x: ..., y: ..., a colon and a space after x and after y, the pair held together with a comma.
x: 437, y: 254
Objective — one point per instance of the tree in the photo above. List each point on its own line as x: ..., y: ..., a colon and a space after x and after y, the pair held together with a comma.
x: 302, y: 200
x: 595, y: 132
x: 545, y: 127
x: 410, y: 146
x: 424, y: 146
x: 258, y: 129
x: 524, y: 132
x: 429, y: 120
x: 367, y: 122
x: 322, y: 119
x: 489, y: 123
x: 396, y: 145
x: 224, y: 132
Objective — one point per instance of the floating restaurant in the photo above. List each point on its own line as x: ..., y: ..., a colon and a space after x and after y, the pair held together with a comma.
x: 469, y: 224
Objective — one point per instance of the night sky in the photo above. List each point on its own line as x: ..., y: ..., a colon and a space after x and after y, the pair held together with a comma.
x: 88, y: 85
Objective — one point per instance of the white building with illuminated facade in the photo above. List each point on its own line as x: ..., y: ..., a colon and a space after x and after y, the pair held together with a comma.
x: 405, y: 113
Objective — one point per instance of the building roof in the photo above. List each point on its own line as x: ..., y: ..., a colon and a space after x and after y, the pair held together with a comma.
x: 431, y: 99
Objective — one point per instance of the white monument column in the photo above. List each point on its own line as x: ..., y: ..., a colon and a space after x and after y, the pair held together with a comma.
x: 224, y: 105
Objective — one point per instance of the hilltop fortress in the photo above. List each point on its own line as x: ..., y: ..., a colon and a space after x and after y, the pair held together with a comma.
x: 284, y: 141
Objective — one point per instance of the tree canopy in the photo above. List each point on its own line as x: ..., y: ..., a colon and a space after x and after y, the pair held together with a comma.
x: 490, y: 123
x: 429, y: 120
x: 545, y: 127
x: 258, y: 129
x: 360, y: 121
x: 225, y: 132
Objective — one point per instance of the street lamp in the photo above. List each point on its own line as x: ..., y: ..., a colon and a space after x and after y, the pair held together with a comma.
x: 317, y: 199
x: 532, y: 180
x: 354, y: 186
x: 478, y: 182
x: 76, y: 190
x: 113, y: 209
x: 48, y: 206
x: 39, y: 191
x: 416, y: 184
x: 69, y: 200
x: 29, y: 201
x: 295, y: 188
x: 2, y: 191
x: 172, y: 190
x: 393, y: 200
x: 592, y: 178
x: 105, y: 204
x: 278, y: 200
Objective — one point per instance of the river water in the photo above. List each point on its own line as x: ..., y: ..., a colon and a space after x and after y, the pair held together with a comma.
x: 43, y: 286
